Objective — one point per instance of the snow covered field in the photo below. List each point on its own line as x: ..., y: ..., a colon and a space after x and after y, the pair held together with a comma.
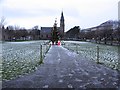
x: 107, y: 54
x: 21, y: 57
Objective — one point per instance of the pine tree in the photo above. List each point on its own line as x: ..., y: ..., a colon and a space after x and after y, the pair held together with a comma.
x: 55, y: 34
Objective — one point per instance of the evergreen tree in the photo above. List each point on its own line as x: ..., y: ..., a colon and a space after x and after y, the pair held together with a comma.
x: 55, y: 34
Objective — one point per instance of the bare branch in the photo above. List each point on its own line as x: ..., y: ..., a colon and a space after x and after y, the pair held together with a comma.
x: 2, y: 21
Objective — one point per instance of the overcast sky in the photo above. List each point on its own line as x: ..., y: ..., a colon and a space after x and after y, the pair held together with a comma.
x: 83, y: 13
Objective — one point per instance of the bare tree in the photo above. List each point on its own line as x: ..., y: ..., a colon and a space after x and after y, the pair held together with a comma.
x: 16, y: 27
x: 10, y: 27
x: 36, y: 27
x: 2, y: 22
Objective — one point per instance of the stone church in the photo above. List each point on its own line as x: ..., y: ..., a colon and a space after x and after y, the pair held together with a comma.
x: 46, y: 31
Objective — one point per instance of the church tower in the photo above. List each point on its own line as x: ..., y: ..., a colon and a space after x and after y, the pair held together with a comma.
x: 62, y: 25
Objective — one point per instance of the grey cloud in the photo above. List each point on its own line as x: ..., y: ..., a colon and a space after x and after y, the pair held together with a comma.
x: 19, y: 13
x: 72, y: 12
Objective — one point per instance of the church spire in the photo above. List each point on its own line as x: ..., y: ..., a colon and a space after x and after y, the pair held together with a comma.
x: 62, y: 25
x: 62, y: 17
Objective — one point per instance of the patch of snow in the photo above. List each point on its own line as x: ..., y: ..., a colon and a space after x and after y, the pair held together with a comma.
x: 76, y: 63
x: 105, y: 73
x: 81, y: 86
x: 102, y: 79
x: 72, y: 71
x: 71, y: 54
x: 115, y: 83
x: 82, y: 70
x: 70, y: 86
x: 95, y: 77
x: 46, y: 86
x: 77, y: 69
x: 60, y: 81
x: 96, y: 82
x: 86, y: 73
x: 59, y: 59
x: 78, y: 80
x: 71, y: 75
x: 78, y: 42
x: 61, y: 76
x: 25, y: 42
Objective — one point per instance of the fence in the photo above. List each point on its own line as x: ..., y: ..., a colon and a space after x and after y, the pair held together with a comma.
x: 22, y: 57
x: 102, y: 54
x: 43, y: 50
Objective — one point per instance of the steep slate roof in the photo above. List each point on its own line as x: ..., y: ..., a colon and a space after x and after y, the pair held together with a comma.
x: 46, y: 29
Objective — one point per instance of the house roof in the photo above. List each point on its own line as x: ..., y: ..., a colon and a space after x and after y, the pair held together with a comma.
x: 46, y: 29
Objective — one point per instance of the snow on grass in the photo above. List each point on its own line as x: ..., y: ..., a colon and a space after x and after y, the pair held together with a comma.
x: 18, y: 59
x: 0, y: 61
x: 75, y: 42
x: 27, y: 42
x: 107, y: 54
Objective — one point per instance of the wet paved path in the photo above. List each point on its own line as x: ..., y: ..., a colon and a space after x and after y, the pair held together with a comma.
x: 65, y: 69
